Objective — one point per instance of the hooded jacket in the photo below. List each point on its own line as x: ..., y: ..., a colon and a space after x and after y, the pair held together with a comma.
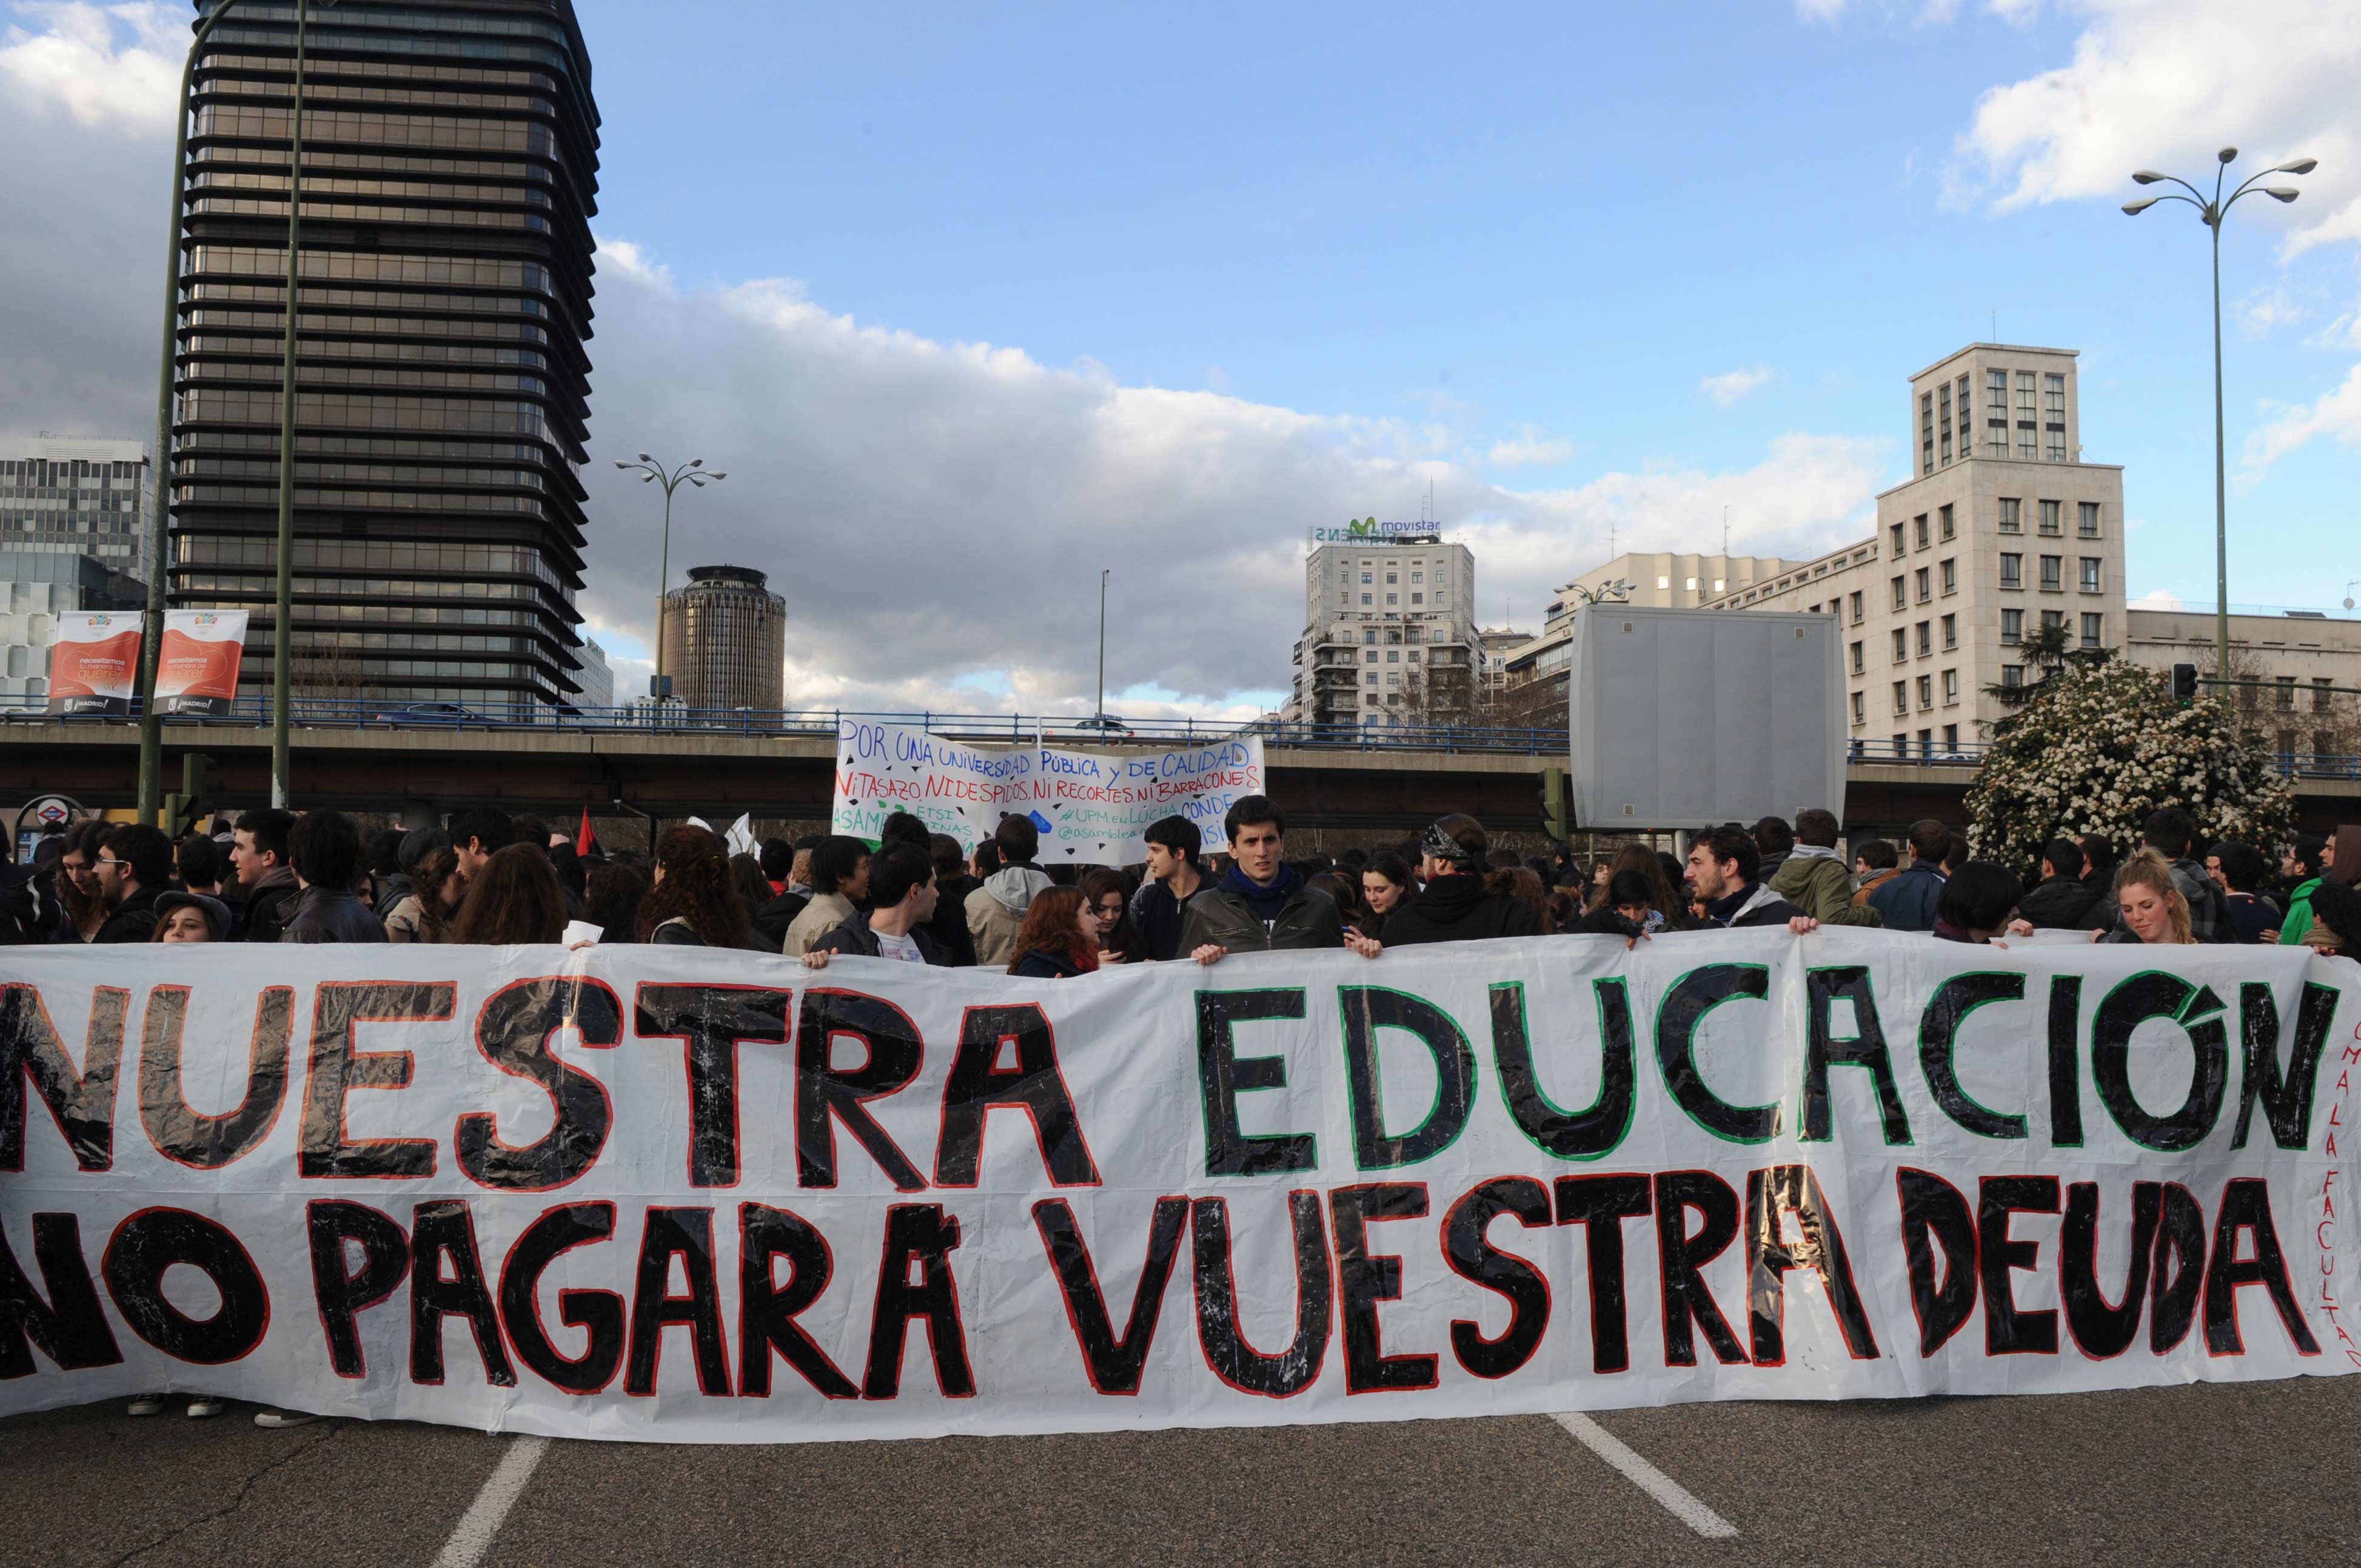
x: 1749, y: 908
x: 1303, y: 919
x: 1458, y: 909
x: 1908, y: 902
x: 1816, y: 881
x: 996, y: 910
x: 2062, y: 904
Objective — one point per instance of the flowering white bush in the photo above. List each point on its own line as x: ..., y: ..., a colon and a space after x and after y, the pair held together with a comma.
x: 2097, y: 748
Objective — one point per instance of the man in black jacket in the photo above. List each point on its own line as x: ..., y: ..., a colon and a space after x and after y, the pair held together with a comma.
x: 1174, y: 878
x: 1454, y: 906
x: 327, y: 850
x: 903, y: 899
x: 135, y: 865
x: 266, y: 882
x: 2062, y: 900
x: 1722, y: 872
x: 1261, y: 904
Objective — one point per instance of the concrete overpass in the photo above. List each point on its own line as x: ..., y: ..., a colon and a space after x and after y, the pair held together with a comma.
x: 671, y: 774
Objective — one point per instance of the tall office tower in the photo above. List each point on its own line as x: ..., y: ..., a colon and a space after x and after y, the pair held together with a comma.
x: 450, y: 167
x: 77, y: 497
x: 725, y: 640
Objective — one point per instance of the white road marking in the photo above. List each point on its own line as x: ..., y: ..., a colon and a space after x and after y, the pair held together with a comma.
x: 1676, y: 1499
x: 472, y: 1536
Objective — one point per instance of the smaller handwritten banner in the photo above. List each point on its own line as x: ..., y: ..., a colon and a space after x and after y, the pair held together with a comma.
x: 1092, y: 807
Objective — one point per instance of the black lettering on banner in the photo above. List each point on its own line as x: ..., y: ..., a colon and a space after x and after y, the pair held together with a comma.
x: 2139, y: 999
x: 1772, y: 1194
x: 439, y: 1231
x: 599, y: 1313
x: 1938, y: 1049
x: 68, y: 1328
x: 920, y: 1233
x: 82, y: 1103
x: 2066, y: 1061
x: 187, y: 1137
x: 2007, y: 1331
x: 1467, y: 1248
x: 2105, y: 1329
x: 685, y: 1234
x: 153, y: 1241
x: 2246, y: 1206
x: 2179, y: 1276
x: 825, y: 1096
x: 1224, y: 1342
x: 344, y: 1292
x: 710, y: 1021
x: 513, y: 1030
x: 1222, y: 1075
x: 1115, y: 1366
x: 338, y: 1068
x: 1363, y: 1280
x: 2286, y: 1098
x: 1936, y: 1219
x: 1367, y: 1009
x: 1588, y: 1134
x: 1681, y: 1258
x: 1823, y: 988
x: 1693, y: 996
x: 1034, y: 1084
x: 1601, y: 1205
x: 767, y: 1309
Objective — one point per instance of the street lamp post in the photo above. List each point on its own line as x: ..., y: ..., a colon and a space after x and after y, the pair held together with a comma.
x: 1100, y: 712
x: 152, y: 641
x: 2210, y: 213
x: 651, y: 472
x: 1616, y: 592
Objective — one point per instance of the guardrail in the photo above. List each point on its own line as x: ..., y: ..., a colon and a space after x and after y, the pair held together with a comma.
x: 987, y: 728
x: 1017, y: 730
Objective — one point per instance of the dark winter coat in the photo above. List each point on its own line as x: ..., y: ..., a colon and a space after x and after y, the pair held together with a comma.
x: 1909, y: 902
x: 1458, y: 909
x: 134, y: 920
x: 320, y: 916
x: 855, y: 939
x: 2063, y: 903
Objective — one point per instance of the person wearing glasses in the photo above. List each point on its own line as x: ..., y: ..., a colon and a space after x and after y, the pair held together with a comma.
x: 135, y: 865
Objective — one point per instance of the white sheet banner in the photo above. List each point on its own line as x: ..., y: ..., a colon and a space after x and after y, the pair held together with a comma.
x: 495, y: 1187
x: 1091, y: 806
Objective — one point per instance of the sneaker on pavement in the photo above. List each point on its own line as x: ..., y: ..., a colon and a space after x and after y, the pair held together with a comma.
x: 146, y: 1405
x: 282, y: 1419
x: 205, y: 1408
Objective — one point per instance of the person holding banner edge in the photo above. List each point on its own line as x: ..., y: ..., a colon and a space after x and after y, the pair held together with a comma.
x: 1261, y: 904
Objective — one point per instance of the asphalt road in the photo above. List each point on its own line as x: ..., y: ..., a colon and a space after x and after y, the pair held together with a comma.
x: 2259, y: 1474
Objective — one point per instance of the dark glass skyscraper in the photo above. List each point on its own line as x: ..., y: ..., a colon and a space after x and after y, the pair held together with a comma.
x: 450, y: 170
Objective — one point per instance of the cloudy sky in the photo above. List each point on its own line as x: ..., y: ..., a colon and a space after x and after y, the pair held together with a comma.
x: 974, y: 302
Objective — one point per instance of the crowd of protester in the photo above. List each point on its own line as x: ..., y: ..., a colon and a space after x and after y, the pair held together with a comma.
x: 485, y: 877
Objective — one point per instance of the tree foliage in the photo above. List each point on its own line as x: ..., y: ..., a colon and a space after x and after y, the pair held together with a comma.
x: 2098, y: 747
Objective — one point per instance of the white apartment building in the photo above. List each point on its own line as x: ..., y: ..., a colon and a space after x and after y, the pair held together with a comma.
x: 1656, y: 579
x: 2306, y: 666
x: 2004, y: 531
x: 75, y: 497
x: 1389, y: 633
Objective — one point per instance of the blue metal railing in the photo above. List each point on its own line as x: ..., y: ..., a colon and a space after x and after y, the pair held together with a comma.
x: 1016, y: 729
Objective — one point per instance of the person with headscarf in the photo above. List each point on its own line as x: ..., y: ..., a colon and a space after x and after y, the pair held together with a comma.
x: 1454, y: 904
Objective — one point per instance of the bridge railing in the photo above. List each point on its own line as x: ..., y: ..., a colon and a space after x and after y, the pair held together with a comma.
x: 1009, y: 729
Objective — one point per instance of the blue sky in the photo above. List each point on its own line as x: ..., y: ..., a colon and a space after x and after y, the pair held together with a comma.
x: 973, y: 303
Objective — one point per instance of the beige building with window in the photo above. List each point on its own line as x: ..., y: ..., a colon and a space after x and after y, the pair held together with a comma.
x: 2301, y: 670
x: 1389, y: 633
x: 1659, y: 580
x: 2004, y: 531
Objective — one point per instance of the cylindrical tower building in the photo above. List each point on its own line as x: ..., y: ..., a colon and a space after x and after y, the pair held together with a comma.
x: 725, y: 641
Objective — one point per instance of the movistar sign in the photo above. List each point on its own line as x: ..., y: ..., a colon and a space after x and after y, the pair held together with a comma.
x: 1370, y: 530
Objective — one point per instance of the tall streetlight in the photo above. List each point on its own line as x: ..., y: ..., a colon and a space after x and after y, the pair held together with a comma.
x: 651, y: 472
x: 152, y: 641
x: 2210, y: 213
x: 1616, y: 592
x: 1100, y: 712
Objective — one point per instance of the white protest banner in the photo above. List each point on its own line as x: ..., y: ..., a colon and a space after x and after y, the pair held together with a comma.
x: 493, y: 1187
x: 1091, y: 806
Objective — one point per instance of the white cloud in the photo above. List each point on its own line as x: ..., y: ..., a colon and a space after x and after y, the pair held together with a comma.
x: 2264, y: 310
x: 112, y: 66
x: 2163, y: 84
x: 1820, y: 10
x: 2158, y: 598
x: 1731, y: 385
x: 2337, y: 415
x: 936, y: 513
x: 1529, y: 449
